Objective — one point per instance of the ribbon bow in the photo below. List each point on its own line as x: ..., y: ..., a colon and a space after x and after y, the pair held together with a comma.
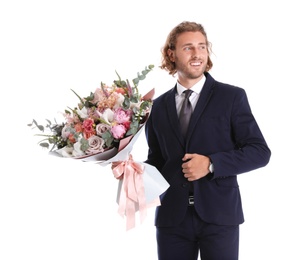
x: 132, y: 194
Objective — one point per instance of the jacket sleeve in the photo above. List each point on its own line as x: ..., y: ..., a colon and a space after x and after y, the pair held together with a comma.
x: 155, y: 157
x: 250, y: 151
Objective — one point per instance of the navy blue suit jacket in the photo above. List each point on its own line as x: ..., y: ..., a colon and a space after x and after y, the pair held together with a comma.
x: 222, y: 127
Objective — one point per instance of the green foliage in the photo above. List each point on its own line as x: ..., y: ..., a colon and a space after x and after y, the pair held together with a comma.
x: 34, y: 122
x: 85, y: 102
x: 145, y: 104
x: 84, y: 144
x: 143, y: 74
x: 108, y: 138
x: 55, y: 139
x: 133, y: 128
x: 132, y: 92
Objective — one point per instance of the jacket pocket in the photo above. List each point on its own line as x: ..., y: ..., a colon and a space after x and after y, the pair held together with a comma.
x: 227, y: 182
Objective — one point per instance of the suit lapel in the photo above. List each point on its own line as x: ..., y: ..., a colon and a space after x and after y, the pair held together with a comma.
x: 202, y: 102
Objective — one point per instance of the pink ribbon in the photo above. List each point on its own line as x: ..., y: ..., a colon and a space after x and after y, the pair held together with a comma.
x: 132, y: 194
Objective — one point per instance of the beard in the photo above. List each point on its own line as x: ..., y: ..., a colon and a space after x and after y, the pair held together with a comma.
x: 188, y: 71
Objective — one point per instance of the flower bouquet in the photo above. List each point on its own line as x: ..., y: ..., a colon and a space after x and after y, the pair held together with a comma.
x: 102, y: 129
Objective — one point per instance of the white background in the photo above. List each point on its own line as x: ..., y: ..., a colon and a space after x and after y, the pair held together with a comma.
x: 52, y: 208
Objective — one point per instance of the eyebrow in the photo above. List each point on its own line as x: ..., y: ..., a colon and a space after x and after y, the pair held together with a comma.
x: 190, y: 44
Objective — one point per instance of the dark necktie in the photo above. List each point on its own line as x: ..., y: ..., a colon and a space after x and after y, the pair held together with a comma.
x: 185, y: 112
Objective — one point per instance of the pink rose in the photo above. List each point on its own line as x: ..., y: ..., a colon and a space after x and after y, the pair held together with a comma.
x: 118, y: 131
x: 95, y: 144
x: 101, y: 128
x: 121, y: 116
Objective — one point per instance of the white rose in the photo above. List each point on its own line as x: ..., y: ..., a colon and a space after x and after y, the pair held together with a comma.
x: 107, y: 115
x: 83, y: 113
x: 137, y: 105
x: 119, y: 101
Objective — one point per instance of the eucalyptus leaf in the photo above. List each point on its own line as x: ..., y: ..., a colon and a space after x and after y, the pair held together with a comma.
x: 44, y: 145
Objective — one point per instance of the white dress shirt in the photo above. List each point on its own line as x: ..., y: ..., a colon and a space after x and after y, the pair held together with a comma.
x: 180, y: 96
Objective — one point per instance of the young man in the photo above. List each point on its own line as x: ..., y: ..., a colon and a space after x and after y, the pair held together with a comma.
x: 201, y: 211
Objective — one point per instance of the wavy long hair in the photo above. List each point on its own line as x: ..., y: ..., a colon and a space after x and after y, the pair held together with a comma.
x: 171, y: 40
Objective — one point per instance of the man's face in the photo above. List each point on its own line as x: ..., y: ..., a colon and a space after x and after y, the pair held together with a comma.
x: 190, y: 56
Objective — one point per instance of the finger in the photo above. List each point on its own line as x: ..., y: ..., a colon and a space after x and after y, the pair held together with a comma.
x: 187, y: 156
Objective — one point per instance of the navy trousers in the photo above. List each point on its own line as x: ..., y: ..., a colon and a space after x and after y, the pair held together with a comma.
x: 195, y: 237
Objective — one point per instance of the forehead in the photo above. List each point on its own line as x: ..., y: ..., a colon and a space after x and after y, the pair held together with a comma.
x: 189, y: 38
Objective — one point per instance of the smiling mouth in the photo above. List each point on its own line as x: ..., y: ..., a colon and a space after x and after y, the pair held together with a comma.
x: 195, y: 63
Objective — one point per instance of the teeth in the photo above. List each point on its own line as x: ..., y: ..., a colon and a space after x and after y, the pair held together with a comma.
x: 195, y: 63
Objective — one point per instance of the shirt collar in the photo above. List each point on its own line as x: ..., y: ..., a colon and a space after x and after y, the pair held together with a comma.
x: 196, y: 88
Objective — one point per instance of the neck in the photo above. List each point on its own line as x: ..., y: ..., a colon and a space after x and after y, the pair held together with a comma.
x: 187, y: 82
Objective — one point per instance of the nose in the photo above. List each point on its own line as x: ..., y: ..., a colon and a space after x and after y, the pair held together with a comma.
x: 195, y: 53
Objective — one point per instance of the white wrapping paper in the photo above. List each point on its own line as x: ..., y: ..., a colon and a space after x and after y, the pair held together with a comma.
x: 154, y: 183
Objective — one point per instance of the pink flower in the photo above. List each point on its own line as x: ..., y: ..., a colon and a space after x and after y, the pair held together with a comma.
x: 69, y: 118
x: 127, y: 125
x: 88, y: 129
x: 95, y: 144
x: 118, y: 131
x: 100, y: 120
x: 101, y: 128
x: 121, y: 116
x: 98, y: 95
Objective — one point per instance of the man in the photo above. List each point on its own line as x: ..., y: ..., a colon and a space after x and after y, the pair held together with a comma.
x: 201, y: 211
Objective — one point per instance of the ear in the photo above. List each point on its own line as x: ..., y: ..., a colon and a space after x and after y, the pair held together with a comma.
x: 171, y: 55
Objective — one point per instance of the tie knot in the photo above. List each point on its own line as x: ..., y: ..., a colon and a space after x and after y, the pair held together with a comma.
x: 188, y: 93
